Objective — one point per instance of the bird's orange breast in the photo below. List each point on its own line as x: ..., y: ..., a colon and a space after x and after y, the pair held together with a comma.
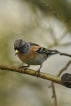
x: 30, y: 55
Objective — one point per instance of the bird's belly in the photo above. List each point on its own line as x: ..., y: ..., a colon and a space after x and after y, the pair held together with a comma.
x: 33, y: 60
x: 38, y: 60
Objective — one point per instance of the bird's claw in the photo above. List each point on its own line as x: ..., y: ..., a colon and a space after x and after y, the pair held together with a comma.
x: 38, y: 71
x: 23, y: 67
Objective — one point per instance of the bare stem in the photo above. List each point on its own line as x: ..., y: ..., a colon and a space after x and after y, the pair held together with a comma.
x: 54, y: 93
x: 63, y: 54
x: 31, y: 72
x: 51, y: 9
x: 52, y: 83
x: 64, y: 68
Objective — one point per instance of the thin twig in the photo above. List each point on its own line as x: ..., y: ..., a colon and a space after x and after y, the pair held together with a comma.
x: 54, y: 93
x: 52, y: 83
x: 64, y: 68
x: 54, y: 12
x: 64, y: 54
x: 51, y: 9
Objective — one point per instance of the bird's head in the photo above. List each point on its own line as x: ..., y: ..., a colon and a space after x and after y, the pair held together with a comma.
x: 21, y: 47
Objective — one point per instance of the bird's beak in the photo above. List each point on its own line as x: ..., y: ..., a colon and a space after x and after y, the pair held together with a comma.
x: 16, y: 52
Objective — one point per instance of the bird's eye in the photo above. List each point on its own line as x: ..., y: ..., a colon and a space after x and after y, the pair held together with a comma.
x: 14, y: 48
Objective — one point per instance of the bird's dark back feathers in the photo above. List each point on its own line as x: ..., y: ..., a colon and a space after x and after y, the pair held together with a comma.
x: 43, y: 50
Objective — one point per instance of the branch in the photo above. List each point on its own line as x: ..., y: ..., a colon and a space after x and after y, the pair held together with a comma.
x: 31, y: 72
x: 51, y: 9
x: 54, y: 12
x: 63, y: 78
x: 64, y: 68
x: 52, y: 78
x: 54, y: 93
x: 64, y: 54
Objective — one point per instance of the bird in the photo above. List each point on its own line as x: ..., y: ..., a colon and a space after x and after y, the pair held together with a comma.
x: 32, y: 53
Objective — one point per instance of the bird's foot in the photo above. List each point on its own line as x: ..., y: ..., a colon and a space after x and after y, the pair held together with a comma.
x: 23, y: 67
x: 37, y: 72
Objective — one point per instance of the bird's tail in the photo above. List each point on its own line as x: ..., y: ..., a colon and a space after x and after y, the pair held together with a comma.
x: 52, y: 52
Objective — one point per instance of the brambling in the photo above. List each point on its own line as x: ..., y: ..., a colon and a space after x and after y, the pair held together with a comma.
x: 31, y: 53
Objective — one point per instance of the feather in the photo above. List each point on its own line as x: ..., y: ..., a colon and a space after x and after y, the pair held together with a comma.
x: 42, y: 50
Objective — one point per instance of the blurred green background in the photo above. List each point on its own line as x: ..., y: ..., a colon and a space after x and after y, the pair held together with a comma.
x: 32, y: 21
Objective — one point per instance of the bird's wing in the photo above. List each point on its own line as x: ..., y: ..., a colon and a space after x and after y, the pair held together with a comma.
x: 42, y: 50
